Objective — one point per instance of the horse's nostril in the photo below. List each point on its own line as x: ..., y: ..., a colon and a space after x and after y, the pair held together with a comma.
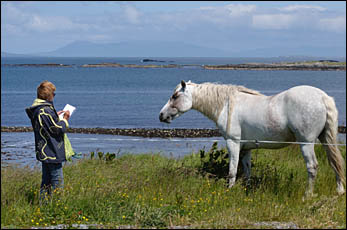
x: 161, y: 116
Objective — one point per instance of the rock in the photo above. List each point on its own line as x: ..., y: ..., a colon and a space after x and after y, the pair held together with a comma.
x: 65, y: 226
x: 103, y: 65
x: 151, y: 60
x: 277, y: 225
x: 140, y: 132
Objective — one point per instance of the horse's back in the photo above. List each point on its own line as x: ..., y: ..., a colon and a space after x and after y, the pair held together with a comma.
x: 263, y: 118
x: 306, y: 111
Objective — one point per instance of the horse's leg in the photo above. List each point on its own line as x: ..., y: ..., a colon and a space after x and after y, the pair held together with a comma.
x: 311, y: 165
x: 246, y: 163
x: 234, y: 152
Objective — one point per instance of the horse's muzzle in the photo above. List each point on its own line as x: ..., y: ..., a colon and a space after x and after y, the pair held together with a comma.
x: 164, y: 119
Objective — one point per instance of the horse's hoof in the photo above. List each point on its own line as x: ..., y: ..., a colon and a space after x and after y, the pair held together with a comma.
x: 231, y: 185
x: 341, y: 192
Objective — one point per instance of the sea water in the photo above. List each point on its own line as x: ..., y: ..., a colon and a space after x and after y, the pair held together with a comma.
x: 111, y: 97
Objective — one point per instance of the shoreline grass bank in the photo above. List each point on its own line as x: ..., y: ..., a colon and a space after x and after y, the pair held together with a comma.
x: 153, y: 191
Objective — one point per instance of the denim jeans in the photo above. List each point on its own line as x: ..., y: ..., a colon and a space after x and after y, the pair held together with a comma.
x: 52, y: 178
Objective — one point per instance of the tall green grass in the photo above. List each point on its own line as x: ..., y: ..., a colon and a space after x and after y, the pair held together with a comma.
x: 150, y: 190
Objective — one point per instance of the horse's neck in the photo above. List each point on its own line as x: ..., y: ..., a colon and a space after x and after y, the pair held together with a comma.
x: 210, y: 99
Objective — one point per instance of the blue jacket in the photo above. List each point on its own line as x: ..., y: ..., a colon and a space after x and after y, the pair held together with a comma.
x: 49, y: 131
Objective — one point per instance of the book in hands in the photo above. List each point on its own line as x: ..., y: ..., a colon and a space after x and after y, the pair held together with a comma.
x: 69, y: 108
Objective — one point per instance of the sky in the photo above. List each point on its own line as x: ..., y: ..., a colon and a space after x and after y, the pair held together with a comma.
x: 42, y: 26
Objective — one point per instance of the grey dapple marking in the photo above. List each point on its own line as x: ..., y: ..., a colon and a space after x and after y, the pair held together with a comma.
x: 301, y: 113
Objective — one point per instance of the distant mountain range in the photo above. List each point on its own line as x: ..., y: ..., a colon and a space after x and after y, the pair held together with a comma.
x: 131, y: 49
x: 176, y: 49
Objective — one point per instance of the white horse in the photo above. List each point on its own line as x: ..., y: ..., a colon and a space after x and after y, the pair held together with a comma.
x: 301, y: 114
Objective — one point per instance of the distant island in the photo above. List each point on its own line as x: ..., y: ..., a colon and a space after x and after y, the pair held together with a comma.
x: 306, y: 65
x: 320, y: 65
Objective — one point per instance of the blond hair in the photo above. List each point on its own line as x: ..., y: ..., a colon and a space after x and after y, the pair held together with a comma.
x: 210, y: 98
x: 45, y: 90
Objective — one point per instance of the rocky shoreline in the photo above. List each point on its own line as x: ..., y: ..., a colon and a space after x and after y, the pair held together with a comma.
x: 140, y: 132
x: 312, y: 66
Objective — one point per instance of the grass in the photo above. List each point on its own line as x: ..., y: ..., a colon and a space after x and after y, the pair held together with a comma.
x: 153, y: 191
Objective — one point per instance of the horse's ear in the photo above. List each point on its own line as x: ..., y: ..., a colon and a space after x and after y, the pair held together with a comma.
x: 183, y: 84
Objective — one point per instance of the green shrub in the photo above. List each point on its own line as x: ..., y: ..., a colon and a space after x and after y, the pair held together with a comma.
x: 215, y: 162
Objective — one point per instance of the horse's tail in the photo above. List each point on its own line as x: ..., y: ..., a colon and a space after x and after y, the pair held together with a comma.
x: 329, y: 137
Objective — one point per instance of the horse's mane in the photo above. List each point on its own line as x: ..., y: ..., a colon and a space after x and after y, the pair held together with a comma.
x: 210, y: 98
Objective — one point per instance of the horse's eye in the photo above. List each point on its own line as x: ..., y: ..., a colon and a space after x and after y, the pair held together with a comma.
x: 175, y: 96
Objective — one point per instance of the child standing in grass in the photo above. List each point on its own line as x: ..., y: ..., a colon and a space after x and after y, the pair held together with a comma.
x: 50, y: 137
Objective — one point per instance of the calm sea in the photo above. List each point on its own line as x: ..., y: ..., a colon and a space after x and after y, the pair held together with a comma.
x: 132, y: 97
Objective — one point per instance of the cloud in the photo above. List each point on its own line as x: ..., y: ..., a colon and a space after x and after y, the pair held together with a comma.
x: 38, y: 23
x: 222, y: 17
x: 132, y: 14
x: 234, y: 10
x: 12, y: 15
x: 273, y: 21
x: 237, y: 10
x: 54, y: 23
x: 128, y: 16
x: 292, y: 8
x: 227, y: 25
x: 336, y: 24
x: 17, y: 21
x: 303, y: 18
